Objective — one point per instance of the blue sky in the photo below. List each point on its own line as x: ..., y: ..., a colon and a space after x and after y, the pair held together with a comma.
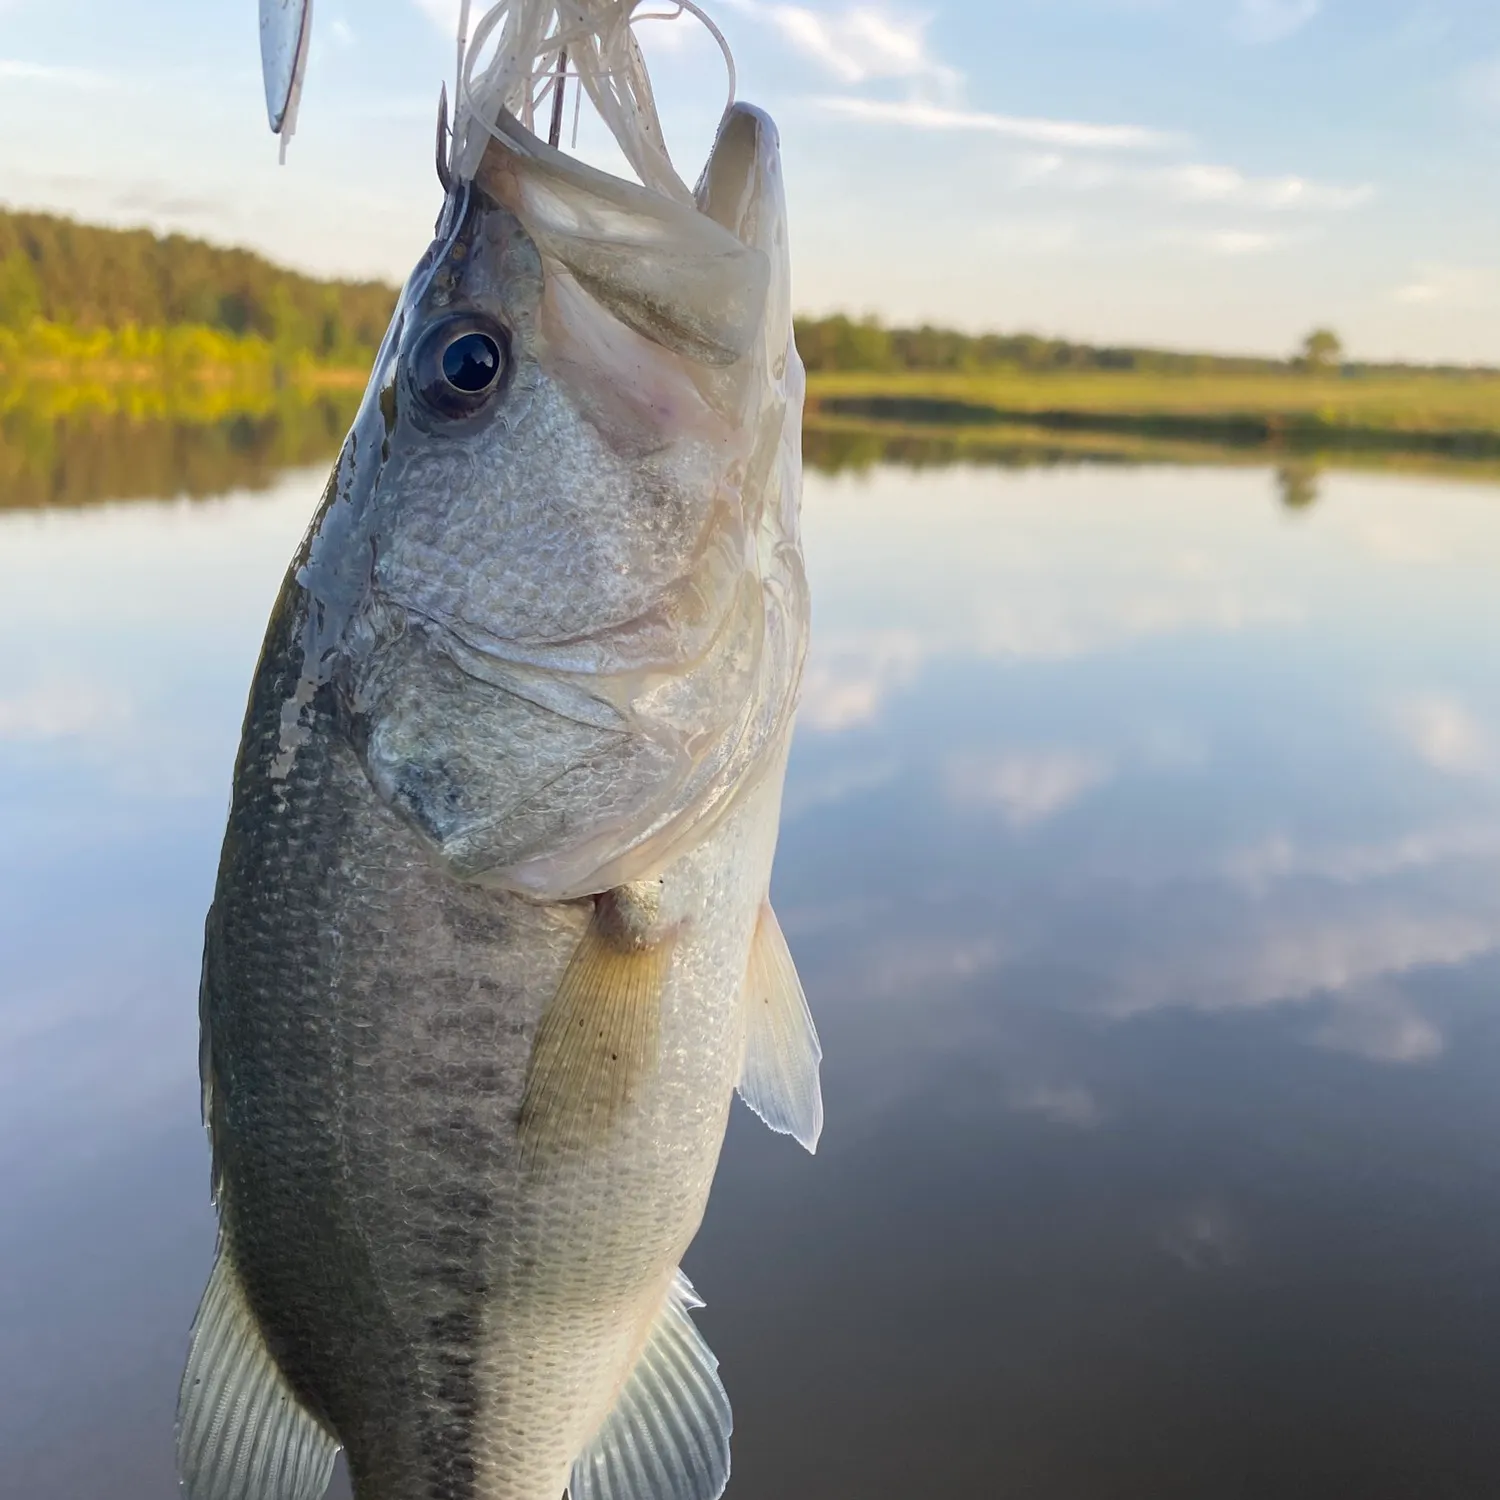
x: 1207, y: 173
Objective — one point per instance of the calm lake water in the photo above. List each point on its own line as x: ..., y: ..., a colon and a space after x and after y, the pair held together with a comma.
x: 1142, y: 861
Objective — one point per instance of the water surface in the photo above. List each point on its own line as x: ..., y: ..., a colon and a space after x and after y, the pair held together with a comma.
x: 1142, y: 860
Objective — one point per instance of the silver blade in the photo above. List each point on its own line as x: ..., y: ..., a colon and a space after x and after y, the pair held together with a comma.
x: 285, y: 26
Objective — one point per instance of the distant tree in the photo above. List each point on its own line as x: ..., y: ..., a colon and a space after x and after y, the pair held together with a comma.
x: 839, y: 343
x: 1297, y: 484
x: 1321, y: 351
x: 86, y: 277
x: 20, y: 295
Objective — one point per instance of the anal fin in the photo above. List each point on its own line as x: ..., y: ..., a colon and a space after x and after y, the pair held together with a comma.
x: 597, y: 1040
x: 782, y: 1052
x: 668, y: 1436
x: 241, y: 1432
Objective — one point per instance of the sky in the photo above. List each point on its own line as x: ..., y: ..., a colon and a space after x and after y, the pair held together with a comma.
x: 1210, y: 174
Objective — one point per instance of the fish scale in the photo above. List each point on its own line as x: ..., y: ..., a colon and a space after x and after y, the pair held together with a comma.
x: 490, y: 947
x: 474, y: 1270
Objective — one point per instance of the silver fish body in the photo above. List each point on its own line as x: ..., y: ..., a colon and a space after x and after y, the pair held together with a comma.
x: 489, y: 950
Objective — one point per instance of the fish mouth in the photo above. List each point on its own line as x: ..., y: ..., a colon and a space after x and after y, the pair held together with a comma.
x: 537, y: 742
x: 664, y: 267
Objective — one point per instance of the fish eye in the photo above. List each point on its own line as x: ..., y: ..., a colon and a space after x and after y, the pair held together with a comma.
x: 460, y: 363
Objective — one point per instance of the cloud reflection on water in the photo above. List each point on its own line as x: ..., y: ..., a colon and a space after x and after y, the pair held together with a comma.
x: 1201, y: 675
x: 1142, y: 860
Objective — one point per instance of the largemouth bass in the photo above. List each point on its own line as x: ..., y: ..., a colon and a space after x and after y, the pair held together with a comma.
x: 490, y: 947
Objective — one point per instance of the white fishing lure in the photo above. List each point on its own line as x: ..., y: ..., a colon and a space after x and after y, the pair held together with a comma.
x: 285, y: 27
x: 520, y: 51
x: 517, y: 56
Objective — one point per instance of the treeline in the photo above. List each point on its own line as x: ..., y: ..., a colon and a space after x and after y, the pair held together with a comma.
x: 83, y: 277
x: 841, y: 343
x: 89, y: 280
x: 91, y: 455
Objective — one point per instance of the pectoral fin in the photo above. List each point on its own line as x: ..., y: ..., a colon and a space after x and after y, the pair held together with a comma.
x: 597, y: 1039
x: 668, y: 1436
x: 241, y: 1432
x: 782, y: 1053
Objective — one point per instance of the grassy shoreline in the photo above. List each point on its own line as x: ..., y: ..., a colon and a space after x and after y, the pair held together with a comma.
x: 202, y: 372
x: 834, y: 445
x: 87, y: 416
x: 188, y: 372
x: 1451, y: 415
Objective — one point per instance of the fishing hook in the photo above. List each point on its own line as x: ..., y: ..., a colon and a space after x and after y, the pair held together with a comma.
x: 445, y: 176
x: 554, y: 135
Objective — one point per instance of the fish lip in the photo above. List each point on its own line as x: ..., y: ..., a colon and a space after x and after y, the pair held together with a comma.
x: 600, y: 209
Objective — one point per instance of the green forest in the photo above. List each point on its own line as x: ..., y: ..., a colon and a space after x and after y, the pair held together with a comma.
x: 90, y: 279
x: 127, y: 324
x: 841, y: 344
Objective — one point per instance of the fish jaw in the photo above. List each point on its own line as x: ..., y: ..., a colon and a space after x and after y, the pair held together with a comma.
x: 566, y: 628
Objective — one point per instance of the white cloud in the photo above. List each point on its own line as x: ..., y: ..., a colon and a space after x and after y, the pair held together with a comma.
x: 20, y: 71
x: 1381, y: 1026
x: 59, y: 710
x: 1407, y: 540
x: 859, y: 44
x: 848, y: 679
x: 862, y: 44
x: 997, y: 599
x: 1026, y: 786
x: 910, y: 965
x: 1227, y: 241
x: 1445, y: 734
x: 1204, y: 182
x: 1280, y: 857
x: 1211, y: 184
x: 1054, y: 629
x: 1259, y: 21
x: 1241, y: 242
x: 1468, y: 287
x: 1168, y: 746
x: 850, y: 676
x: 1038, y: 132
x: 837, y: 785
x: 1060, y: 1104
x: 1298, y: 962
x: 1480, y: 88
x: 1204, y: 1236
x: 1298, y: 956
x: 1030, y: 237
x: 444, y: 14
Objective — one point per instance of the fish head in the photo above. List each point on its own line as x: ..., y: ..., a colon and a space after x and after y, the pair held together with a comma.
x: 556, y: 579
